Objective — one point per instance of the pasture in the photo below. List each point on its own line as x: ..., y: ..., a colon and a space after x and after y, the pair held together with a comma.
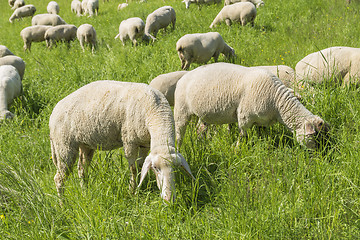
x: 266, y: 187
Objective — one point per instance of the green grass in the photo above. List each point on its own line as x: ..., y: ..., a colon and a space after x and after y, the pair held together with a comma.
x: 267, y: 187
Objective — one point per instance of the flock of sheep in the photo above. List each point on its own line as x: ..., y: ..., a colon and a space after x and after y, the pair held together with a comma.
x: 139, y: 117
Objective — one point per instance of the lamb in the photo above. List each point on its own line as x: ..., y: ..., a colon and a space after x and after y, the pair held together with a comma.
x: 60, y: 33
x: 10, y: 88
x: 201, y: 47
x: 200, y: 2
x: 16, y: 62
x: 166, y: 84
x: 159, y: 19
x: 47, y: 19
x: 24, y: 11
x: 131, y: 28
x: 92, y: 7
x: 243, y: 12
x: 257, y: 3
x: 53, y: 8
x: 122, y: 6
x: 76, y: 7
x: 86, y: 34
x: 223, y: 93
x: 17, y: 4
x: 84, y: 6
x: 338, y: 63
x: 137, y: 117
x: 4, y: 51
x: 33, y: 34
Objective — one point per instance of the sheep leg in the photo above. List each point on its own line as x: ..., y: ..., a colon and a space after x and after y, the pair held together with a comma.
x: 228, y: 22
x: 85, y: 157
x: 216, y: 56
x: 182, y: 119
x: 131, y: 153
x: 173, y: 24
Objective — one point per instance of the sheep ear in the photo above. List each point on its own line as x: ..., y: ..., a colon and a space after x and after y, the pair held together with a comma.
x: 182, y: 162
x: 146, y: 167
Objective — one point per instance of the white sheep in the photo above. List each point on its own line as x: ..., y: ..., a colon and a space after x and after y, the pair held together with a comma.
x: 200, y: 2
x: 84, y: 6
x: 243, y: 12
x: 93, y: 7
x: 17, y: 4
x: 10, y: 88
x: 76, y: 7
x: 4, y: 51
x: 337, y: 63
x: 257, y: 3
x: 166, y: 84
x: 33, y: 34
x: 122, y: 6
x: 16, y: 62
x: 53, y: 8
x: 224, y: 93
x: 131, y: 28
x: 201, y: 47
x: 111, y: 114
x: 65, y: 32
x: 21, y: 12
x: 159, y: 19
x: 285, y: 73
x: 86, y: 34
x: 47, y: 19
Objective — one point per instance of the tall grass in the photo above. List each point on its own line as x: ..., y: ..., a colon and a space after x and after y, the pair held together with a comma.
x: 265, y: 187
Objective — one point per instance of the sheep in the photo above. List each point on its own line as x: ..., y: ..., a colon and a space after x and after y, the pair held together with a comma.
x: 285, y: 73
x: 10, y: 88
x: 131, y: 28
x: 11, y: 3
x: 17, y: 4
x: 137, y: 118
x: 243, y: 12
x: 16, y: 62
x: 24, y: 11
x: 122, y: 6
x: 84, y: 6
x: 337, y: 63
x: 47, y: 19
x: 4, y: 51
x: 53, y: 8
x: 60, y: 33
x: 76, y: 7
x: 86, y: 34
x: 223, y: 93
x: 166, y: 84
x: 92, y: 7
x: 257, y: 3
x: 158, y: 19
x: 201, y: 47
x: 33, y: 34
x: 200, y: 2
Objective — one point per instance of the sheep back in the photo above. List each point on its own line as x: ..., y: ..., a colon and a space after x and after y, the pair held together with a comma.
x: 53, y: 8
x: 4, y: 51
x: 16, y: 62
x: 47, y: 19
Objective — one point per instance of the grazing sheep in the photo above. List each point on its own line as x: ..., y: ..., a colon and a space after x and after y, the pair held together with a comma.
x: 53, y: 8
x: 24, y: 11
x: 201, y: 47
x: 60, y: 33
x: 47, y: 19
x: 93, y: 7
x: 257, y: 3
x: 16, y: 62
x: 337, y: 63
x: 137, y: 117
x: 200, y: 2
x: 224, y: 93
x: 10, y: 88
x: 11, y: 3
x: 166, y: 84
x: 33, y: 34
x: 4, y: 51
x: 84, y: 6
x: 122, y: 6
x: 17, y: 4
x: 76, y: 7
x: 158, y: 19
x: 86, y: 34
x: 243, y: 12
x: 131, y: 28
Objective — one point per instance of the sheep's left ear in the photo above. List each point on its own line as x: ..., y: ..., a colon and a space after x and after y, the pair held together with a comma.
x: 180, y: 160
x: 146, y: 167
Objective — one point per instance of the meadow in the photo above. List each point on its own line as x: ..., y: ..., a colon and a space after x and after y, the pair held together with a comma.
x: 266, y: 187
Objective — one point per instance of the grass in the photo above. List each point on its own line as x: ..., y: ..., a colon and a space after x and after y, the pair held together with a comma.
x: 267, y: 187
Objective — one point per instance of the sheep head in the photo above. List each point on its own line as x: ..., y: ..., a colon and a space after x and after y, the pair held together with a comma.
x: 314, y: 130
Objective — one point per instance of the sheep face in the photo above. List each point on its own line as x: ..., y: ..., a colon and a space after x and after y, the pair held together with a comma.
x: 314, y: 131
